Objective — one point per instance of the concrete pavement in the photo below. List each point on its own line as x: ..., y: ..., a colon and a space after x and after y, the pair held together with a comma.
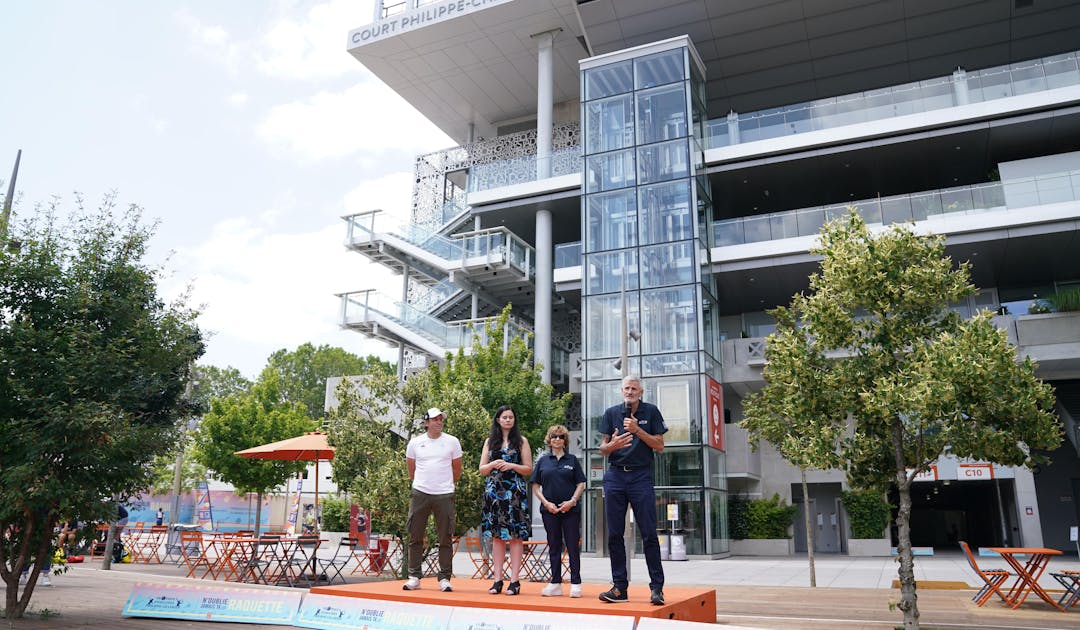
x: 852, y: 593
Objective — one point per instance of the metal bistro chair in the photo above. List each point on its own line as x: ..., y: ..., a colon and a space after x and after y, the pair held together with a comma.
x: 264, y: 558
x: 331, y: 567
x: 481, y: 562
x: 301, y: 565
x: 1071, y: 581
x: 992, y: 578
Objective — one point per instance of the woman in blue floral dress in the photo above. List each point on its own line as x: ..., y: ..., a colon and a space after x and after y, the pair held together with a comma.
x: 505, y: 516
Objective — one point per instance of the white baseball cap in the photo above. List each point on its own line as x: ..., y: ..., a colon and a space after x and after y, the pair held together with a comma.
x: 434, y: 412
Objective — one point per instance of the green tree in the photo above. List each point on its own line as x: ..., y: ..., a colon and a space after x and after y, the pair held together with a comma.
x: 302, y: 373
x: 798, y: 427
x: 209, y: 382
x: 94, y: 368
x: 912, y: 378
x: 370, y: 456
x: 247, y: 420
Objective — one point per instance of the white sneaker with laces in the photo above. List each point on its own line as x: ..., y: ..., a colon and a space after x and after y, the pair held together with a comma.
x: 444, y: 586
x: 552, y: 590
x: 45, y: 581
x: 575, y: 590
x: 412, y: 585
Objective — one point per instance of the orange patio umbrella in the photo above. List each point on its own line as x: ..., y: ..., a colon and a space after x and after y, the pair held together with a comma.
x: 311, y: 446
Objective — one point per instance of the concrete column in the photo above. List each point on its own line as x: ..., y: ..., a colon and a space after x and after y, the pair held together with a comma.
x: 733, y: 127
x: 544, y: 248
x: 544, y: 101
x: 960, y: 87
x: 378, y: 11
x: 401, y: 361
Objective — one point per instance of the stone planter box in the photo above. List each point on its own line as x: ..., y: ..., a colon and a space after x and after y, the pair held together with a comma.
x: 333, y: 539
x: 763, y: 547
x: 868, y: 547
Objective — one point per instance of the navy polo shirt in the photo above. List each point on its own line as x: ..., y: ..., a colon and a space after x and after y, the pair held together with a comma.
x: 558, y: 478
x: 638, y: 455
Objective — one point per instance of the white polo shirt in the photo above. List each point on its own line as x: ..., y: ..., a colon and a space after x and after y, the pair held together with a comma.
x: 434, y: 472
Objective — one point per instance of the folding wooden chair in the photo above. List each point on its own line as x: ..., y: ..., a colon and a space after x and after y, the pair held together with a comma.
x: 1071, y: 581
x: 992, y: 578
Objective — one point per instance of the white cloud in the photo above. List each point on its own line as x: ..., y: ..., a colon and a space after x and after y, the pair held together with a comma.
x: 367, y: 117
x: 391, y: 193
x: 312, y: 46
x: 237, y: 99
x: 214, y: 41
x: 262, y: 291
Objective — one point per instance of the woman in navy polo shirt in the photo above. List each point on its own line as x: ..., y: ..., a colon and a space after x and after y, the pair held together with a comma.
x: 558, y: 482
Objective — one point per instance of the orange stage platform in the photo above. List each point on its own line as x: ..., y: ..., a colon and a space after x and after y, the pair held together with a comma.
x: 686, y: 604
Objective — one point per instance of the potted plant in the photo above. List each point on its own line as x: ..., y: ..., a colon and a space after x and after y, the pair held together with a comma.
x: 761, y: 527
x: 868, y: 517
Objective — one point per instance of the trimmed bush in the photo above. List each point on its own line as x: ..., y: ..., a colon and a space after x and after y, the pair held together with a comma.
x: 335, y: 514
x: 770, y: 518
x: 738, y: 524
x: 867, y: 512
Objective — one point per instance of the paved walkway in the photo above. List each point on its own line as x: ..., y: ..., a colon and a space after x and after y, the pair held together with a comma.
x: 852, y: 594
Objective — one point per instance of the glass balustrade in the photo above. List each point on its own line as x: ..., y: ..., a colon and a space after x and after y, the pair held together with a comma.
x: 435, y: 295
x: 568, y: 255
x: 361, y: 306
x: 938, y: 93
x: 1017, y: 193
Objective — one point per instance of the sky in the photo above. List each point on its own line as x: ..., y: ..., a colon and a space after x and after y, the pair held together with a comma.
x: 243, y: 127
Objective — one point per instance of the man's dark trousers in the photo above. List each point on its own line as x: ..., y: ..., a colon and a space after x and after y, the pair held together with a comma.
x: 635, y: 488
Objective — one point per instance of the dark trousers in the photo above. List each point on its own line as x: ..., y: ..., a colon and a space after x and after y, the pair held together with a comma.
x: 563, y: 528
x: 633, y: 488
x: 420, y: 507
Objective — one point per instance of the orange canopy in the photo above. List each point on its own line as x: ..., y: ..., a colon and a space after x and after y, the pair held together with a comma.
x: 307, y: 447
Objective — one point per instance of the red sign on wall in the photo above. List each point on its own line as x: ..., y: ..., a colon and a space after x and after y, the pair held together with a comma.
x: 715, y: 420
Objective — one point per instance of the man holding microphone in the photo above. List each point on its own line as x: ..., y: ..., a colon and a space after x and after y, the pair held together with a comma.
x: 629, y: 435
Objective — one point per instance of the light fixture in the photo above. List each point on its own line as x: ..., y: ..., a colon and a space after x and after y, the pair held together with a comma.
x: 617, y: 364
x: 634, y: 334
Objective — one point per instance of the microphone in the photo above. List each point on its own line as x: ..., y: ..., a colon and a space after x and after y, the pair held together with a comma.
x: 626, y: 410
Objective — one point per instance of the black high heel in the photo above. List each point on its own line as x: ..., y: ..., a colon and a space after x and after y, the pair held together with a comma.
x: 496, y: 587
x: 514, y: 588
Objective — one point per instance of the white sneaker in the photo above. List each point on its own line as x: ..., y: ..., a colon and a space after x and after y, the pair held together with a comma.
x: 575, y: 590
x: 552, y: 590
x: 444, y: 586
x: 45, y: 581
x: 412, y: 585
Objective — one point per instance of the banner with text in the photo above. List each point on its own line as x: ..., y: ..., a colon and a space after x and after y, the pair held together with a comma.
x: 487, y: 618
x: 202, y: 507
x: 294, y: 509
x: 212, y: 603
x: 330, y: 613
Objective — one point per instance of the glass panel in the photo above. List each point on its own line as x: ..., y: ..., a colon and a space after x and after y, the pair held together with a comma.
x: 668, y: 364
x: 678, y: 398
x: 606, y: 272
x: 759, y: 324
x: 661, y: 162
x: 718, y: 519
x: 716, y: 474
x: 604, y: 329
x: 616, y: 78
x: 659, y: 69
x: 665, y: 213
x: 611, y: 221
x: 677, y: 467
x: 665, y: 265
x: 608, y: 171
x: 669, y: 319
x: 691, y: 523
x: 661, y: 114
x: 605, y: 368
x: 609, y: 124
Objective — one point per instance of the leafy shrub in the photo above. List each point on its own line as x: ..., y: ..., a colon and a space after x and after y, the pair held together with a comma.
x: 769, y: 518
x: 867, y: 511
x: 335, y: 514
x: 1065, y: 301
x: 738, y: 524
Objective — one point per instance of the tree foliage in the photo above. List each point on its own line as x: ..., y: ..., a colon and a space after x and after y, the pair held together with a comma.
x: 370, y: 456
x: 908, y: 379
x: 247, y: 420
x: 94, y: 367
x: 302, y: 373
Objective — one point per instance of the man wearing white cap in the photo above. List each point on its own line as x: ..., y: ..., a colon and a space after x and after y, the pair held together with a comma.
x: 434, y: 462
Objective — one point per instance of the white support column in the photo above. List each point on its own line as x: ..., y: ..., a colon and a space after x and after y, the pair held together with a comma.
x: 544, y: 265
x: 960, y: 87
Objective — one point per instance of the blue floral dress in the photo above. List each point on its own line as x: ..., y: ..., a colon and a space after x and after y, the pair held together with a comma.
x: 505, y: 511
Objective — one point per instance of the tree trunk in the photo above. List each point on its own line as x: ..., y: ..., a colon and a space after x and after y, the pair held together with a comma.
x: 908, y: 598
x: 258, y: 513
x: 15, y: 606
x: 808, y: 522
x: 110, y: 540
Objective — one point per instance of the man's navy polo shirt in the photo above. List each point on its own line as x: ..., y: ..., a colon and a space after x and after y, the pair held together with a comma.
x: 638, y: 455
x: 558, y: 478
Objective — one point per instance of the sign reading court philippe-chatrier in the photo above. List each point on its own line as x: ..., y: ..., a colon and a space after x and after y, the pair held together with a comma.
x: 422, y: 16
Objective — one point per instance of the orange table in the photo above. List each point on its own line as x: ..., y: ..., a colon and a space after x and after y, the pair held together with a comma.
x: 1027, y: 573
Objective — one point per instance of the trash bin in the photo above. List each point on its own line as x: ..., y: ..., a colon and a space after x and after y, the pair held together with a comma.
x: 663, y: 538
x: 678, y: 547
